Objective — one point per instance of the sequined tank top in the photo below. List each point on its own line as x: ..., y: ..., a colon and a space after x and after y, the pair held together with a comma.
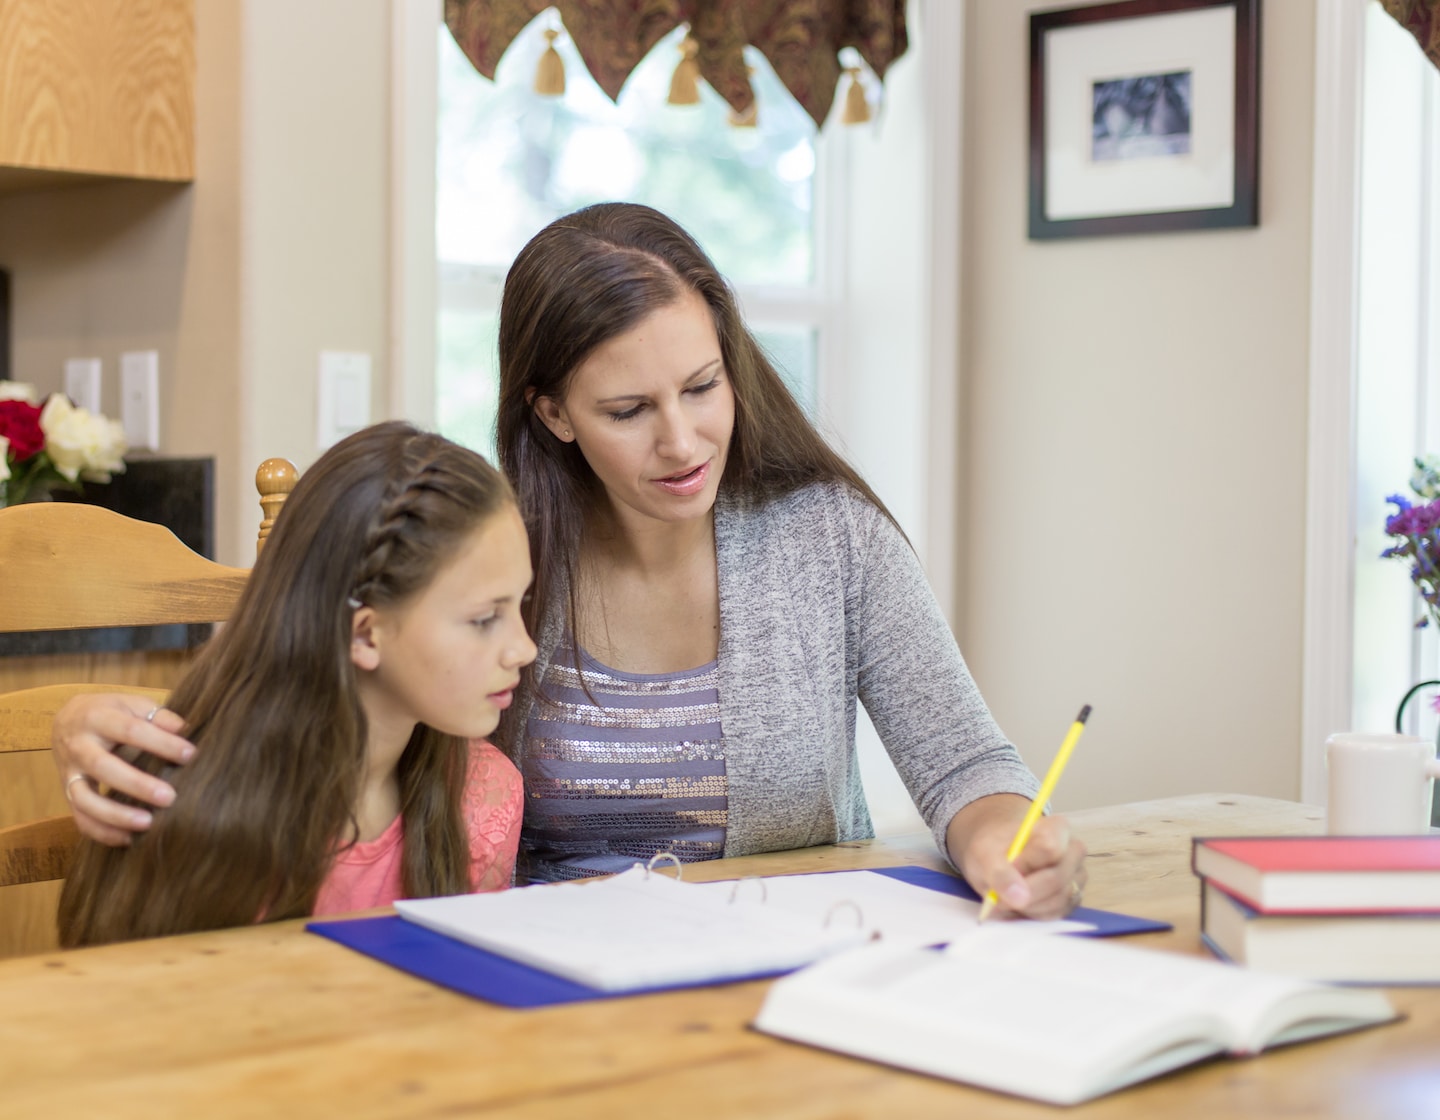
x: 638, y: 770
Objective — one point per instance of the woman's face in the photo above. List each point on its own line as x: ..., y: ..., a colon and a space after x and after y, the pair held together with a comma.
x: 652, y: 411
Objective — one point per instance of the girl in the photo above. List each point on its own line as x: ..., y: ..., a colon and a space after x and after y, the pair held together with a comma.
x: 379, y: 631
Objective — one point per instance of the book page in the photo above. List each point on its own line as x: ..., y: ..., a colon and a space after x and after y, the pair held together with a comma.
x: 901, y: 913
x: 1000, y: 1025
x: 1253, y: 1005
x: 634, y: 930
x: 1018, y: 1007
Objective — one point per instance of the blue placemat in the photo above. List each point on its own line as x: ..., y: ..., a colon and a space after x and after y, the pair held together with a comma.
x: 484, y: 975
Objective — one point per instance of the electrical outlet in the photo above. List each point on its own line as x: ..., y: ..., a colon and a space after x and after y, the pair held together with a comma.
x: 140, y: 398
x: 82, y: 383
x: 343, y: 407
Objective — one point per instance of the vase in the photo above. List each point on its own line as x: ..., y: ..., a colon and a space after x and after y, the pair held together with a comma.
x: 35, y: 493
x: 35, y: 484
x: 1399, y: 726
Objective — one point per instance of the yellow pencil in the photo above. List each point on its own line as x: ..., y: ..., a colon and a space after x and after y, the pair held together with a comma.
x: 1037, y: 807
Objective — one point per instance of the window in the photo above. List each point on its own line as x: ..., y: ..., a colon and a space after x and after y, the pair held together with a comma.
x: 1398, y: 376
x: 510, y: 161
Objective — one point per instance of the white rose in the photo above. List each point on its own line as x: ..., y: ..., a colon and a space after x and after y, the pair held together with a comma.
x: 81, y: 443
x: 17, y: 391
x: 107, y: 456
x: 4, y: 458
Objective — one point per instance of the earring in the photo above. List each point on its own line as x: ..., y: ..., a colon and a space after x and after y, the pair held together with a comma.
x: 567, y: 433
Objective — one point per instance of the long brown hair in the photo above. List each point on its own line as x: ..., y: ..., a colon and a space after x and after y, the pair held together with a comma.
x: 273, y: 707
x: 582, y: 280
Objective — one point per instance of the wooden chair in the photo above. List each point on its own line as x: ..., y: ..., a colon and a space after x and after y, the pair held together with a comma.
x: 72, y: 566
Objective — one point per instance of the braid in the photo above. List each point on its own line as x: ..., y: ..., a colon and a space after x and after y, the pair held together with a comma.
x: 407, y: 505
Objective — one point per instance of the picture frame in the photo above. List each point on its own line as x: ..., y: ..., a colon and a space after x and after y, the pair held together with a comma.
x: 1144, y: 117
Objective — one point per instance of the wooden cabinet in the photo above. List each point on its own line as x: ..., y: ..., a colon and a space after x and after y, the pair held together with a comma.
x: 96, y: 88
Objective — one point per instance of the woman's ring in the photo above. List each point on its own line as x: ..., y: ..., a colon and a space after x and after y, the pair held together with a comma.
x: 1075, y: 893
x: 150, y: 716
x: 70, y: 781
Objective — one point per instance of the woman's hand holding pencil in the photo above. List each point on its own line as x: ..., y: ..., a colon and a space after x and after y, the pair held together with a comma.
x: 1044, y: 881
x: 1025, y: 863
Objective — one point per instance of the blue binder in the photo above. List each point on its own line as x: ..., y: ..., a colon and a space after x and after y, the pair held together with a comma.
x: 496, y: 979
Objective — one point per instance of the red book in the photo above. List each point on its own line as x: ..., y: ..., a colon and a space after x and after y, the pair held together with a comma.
x: 1324, y: 874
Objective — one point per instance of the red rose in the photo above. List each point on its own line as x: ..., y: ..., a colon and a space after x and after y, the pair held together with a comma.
x: 20, y: 424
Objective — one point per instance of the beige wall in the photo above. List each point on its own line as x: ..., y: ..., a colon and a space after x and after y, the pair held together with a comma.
x: 315, y: 209
x: 277, y: 251
x: 1135, y: 417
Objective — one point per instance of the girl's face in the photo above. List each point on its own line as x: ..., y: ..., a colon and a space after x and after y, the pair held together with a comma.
x: 450, y: 657
x: 652, y: 411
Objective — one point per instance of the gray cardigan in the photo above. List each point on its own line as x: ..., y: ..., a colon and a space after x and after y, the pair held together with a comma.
x: 823, y: 601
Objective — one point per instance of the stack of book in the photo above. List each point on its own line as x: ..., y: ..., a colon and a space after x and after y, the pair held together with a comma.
x: 1347, y: 909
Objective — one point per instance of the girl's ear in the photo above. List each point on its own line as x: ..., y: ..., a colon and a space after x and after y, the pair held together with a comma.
x: 364, y: 640
x: 553, y: 415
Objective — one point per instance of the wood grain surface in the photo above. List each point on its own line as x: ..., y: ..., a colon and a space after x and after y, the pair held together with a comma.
x: 99, y: 568
x: 103, y: 87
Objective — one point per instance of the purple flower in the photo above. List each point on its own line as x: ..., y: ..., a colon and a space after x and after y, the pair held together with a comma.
x: 1416, y: 533
x: 1412, y: 521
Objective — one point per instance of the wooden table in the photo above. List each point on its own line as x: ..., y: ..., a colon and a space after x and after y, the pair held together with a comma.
x: 275, y: 1021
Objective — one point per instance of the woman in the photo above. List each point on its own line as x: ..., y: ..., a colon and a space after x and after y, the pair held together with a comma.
x: 714, y: 589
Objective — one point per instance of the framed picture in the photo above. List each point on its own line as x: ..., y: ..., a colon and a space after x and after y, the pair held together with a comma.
x: 1144, y: 116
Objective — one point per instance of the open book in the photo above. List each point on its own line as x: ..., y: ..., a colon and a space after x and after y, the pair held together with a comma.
x: 640, y: 930
x: 1058, y: 1019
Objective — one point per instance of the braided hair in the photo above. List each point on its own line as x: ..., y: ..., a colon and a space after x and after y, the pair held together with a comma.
x: 273, y: 706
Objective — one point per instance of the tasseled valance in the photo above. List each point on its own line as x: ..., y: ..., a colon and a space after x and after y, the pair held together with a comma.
x: 800, y: 38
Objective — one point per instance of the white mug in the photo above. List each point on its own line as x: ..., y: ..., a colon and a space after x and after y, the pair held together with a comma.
x: 1380, y: 785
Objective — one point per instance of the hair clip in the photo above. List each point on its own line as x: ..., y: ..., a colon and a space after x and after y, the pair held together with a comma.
x: 353, y: 603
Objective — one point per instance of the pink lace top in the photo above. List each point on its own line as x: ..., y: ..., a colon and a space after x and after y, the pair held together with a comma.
x: 368, y: 874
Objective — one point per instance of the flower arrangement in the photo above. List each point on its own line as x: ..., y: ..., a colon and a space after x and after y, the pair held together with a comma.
x: 43, y: 447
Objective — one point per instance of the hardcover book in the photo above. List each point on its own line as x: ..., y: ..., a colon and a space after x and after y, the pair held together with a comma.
x: 1387, y: 948
x: 1057, y: 1019
x: 1324, y: 874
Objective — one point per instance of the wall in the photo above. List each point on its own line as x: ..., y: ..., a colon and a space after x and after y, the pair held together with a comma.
x: 1135, y: 413
x: 315, y: 211
x: 277, y: 250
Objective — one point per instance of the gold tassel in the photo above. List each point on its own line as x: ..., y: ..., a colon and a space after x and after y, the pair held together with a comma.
x: 550, y: 70
x: 685, y: 83
x: 751, y: 116
x: 857, y: 108
x: 748, y: 119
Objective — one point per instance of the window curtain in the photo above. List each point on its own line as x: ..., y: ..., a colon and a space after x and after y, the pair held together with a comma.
x: 1419, y: 17
x: 800, y: 38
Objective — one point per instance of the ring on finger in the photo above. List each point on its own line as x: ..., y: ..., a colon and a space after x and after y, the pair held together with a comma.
x: 70, y: 781
x: 151, y: 714
x: 1075, y: 892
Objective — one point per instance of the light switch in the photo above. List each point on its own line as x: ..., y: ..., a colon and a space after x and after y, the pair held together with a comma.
x: 344, y: 397
x: 82, y: 383
x: 140, y: 398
